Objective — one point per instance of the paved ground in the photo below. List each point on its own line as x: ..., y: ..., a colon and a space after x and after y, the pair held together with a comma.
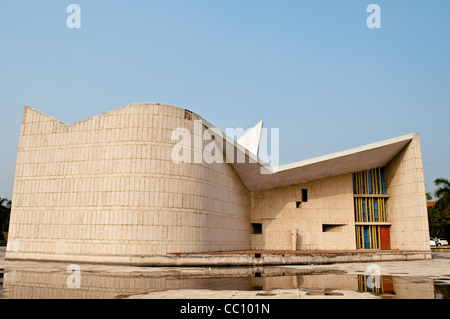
x: 294, y: 293
x: 436, y: 268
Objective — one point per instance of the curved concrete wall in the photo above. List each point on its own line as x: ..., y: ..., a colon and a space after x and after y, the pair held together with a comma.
x: 106, y: 189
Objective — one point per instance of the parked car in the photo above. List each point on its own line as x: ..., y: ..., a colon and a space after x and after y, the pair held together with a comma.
x: 432, y: 242
x: 443, y: 241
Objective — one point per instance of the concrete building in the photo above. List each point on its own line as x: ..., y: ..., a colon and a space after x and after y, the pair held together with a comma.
x: 107, y: 189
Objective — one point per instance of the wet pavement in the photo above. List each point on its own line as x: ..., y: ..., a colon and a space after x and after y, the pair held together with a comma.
x: 420, y: 279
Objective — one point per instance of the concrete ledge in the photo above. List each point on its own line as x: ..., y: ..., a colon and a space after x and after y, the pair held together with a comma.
x: 248, y: 258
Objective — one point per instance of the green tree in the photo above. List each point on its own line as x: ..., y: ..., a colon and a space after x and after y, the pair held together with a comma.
x: 439, y: 214
x: 442, y: 193
x: 5, y: 212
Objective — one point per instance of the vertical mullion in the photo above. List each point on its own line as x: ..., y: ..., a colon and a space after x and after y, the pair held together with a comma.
x: 373, y: 182
x: 358, y: 180
x: 362, y: 236
x: 378, y: 237
x: 380, y: 210
x: 366, y: 188
x: 378, y: 180
x: 375, y: 237
x: 372, y: 213
x: 360, y: 210
x: 380, y: 190
x: 358, y: 238
x: 367, y: 209
x: 358, y: 184
x: 360, y: 216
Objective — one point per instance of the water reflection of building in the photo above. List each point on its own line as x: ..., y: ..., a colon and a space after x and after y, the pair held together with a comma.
x: 376, y: 284
x: 52, y: 283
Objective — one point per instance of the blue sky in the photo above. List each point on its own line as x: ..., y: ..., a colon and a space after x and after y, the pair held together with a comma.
x: 311, y: 68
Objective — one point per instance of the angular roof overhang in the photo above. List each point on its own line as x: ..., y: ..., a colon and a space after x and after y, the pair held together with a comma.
x: 259, y: 176
x: 354, y: 160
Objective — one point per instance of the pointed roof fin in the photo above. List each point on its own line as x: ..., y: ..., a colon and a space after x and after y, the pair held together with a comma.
x: 252, y: 138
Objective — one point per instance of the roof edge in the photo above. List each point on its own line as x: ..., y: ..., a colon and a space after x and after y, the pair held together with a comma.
x: 323, y: 158
x: 105, y: 113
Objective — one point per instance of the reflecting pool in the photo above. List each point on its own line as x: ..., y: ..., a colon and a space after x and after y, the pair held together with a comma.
x: 241, y: 282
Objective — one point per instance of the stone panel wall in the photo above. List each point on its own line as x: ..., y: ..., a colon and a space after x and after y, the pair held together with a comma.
x: 407, y: 210
x: 330, y: 202
x: 107, y: 186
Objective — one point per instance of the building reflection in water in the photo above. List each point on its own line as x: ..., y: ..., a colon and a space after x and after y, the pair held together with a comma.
x: 55, y: 283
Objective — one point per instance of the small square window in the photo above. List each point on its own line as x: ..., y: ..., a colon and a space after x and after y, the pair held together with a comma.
x: 256, y: 229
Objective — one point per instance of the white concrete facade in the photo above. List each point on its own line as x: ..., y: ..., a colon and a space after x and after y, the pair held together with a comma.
x: 107, y: 190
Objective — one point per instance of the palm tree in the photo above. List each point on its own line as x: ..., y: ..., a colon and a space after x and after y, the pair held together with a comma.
x: 439, y: 215
x: 4, y: 202
x: 442, y: 193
